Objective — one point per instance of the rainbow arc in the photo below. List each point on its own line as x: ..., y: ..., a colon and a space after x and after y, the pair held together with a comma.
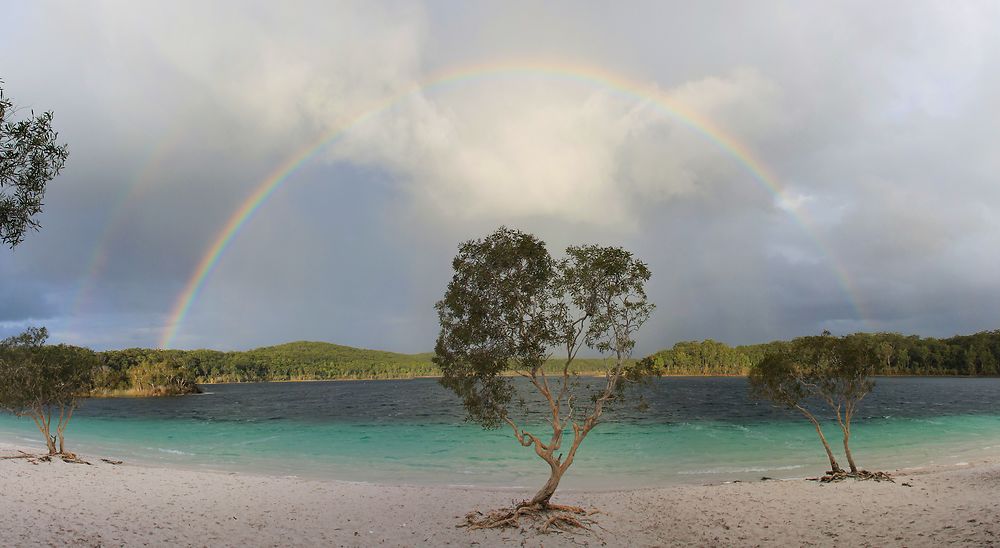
x: 595, y: 76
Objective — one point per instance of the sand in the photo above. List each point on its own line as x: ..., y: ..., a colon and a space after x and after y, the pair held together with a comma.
x: 131, y: 505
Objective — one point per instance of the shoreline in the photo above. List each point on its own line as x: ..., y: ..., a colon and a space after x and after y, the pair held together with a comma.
x: 132, y: 504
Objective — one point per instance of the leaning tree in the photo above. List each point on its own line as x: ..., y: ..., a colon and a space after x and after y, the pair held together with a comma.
x: 509, y: 309
x: 44, y: 382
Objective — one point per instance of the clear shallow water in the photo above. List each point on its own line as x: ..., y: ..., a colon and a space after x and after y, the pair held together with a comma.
x: 696, y: 430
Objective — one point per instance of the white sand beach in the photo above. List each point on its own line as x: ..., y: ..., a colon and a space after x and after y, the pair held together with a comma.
x: 131, y: 505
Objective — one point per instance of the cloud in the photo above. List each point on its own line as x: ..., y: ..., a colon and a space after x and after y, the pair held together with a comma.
x: 512, y: 145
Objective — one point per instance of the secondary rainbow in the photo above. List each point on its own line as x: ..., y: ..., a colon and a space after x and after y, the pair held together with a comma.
x: 573, y: 71
x: 138, y: 185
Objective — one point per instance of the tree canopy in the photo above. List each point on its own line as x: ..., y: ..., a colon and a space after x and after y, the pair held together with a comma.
x: 508, y: 309
x: 44, y: 382
x: 30, y: 157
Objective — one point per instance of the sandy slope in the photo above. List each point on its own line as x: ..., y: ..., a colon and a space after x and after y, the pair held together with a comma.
x: 106, y: 505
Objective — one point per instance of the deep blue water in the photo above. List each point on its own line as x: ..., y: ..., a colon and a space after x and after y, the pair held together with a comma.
x: 694, y: 430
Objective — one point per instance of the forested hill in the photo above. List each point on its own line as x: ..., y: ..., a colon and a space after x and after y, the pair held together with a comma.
x: 301, y: 360
x: 124, y: 370
x: 132, y: 368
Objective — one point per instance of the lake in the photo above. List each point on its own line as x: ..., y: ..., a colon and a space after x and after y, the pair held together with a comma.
x: 695, y: 430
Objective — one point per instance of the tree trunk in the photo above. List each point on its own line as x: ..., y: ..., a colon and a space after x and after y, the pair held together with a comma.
x: 545, y: 493
x: 845, y: 426
x: 43, y: 426
x: 847, y: 450
x: 64, y: 417
x: 834, y: 467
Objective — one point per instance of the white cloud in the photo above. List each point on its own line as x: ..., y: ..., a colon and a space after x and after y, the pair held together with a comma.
x: 272, y: 68
x: 509, y: 146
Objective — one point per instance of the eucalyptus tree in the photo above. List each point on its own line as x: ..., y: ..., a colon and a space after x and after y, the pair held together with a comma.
x: 32, y: 378
x: 510, y: 308
x: 44, y: 382
x: 781, y: 379
x: 832, y: 371
x: 842, y: 376
x: 30, y: 156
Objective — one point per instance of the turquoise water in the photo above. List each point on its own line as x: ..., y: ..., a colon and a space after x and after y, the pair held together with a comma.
x: 699, y: 431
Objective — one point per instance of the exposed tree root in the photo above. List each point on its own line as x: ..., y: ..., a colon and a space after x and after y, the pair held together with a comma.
x: 551, y: 517
x: 72, y: 458
x: 861, y: 475
x: 35, y: 459
x: 32, y: 458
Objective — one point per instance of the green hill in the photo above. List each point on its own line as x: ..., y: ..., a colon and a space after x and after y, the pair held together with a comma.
x: 300, y: 360
x: 320, y: 360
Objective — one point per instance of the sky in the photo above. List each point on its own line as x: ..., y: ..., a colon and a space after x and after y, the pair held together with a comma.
x: 782, y: 167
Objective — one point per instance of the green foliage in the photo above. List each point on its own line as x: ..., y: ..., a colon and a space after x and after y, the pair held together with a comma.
x: 44, y: 381
x: 163, y: 378
x: 318, y: 360
x: 839, y: 368
x: 704, y: 358
x: 778, y: 379
x: 825, y: 370
x: 30, y: 157
x: 292, y: 361
x: 497, y: 315
x: 836, y: 370
x: 895, y: 354
x: 509, y: 305
x: 37, y: 375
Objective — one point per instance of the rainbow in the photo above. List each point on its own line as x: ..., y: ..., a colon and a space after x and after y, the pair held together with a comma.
x: 572, y: 71
x: 140, y: 183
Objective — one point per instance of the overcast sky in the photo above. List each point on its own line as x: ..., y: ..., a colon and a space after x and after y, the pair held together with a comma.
x: 878, y: 122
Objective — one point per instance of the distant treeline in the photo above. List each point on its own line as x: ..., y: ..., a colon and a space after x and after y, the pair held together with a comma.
x: 145, y: 371
x: 291, y: 361
x: 123, y: 370
x: 971, y: 355
x: 142, y: 370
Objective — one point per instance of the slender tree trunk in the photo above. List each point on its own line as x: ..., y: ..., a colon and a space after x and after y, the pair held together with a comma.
x: 545, y: 493
x: 64, y: 417
x: 847, y: 451
x: 834, y: 467
x: 43, y: 426
x: 846, y: 426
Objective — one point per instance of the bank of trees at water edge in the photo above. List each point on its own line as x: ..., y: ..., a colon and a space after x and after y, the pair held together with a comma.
x: 976, y: 354
x: 972, y: 355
